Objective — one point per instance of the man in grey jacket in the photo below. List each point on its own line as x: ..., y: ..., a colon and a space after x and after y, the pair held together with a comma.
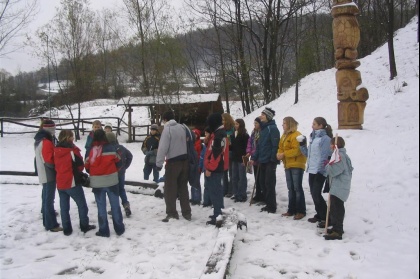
x: 173, y: 147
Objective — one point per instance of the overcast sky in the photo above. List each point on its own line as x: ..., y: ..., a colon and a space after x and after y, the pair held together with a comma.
x: 23, y: 60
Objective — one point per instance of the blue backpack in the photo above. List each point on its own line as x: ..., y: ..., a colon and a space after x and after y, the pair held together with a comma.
x: 192, y: 158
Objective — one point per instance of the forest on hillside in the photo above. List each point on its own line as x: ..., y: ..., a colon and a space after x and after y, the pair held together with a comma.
x: 247, y: 50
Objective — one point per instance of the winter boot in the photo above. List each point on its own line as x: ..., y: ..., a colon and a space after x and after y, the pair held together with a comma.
x: 333, y: 236
x: 127, y: 209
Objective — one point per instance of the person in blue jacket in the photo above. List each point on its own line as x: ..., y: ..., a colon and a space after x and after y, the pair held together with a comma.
x: 340, y: 174
x: 266, y: 155
x: 317, y: 154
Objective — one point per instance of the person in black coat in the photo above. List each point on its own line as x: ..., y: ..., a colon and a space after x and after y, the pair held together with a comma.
x: 239, y: 141
x: 150, y: 148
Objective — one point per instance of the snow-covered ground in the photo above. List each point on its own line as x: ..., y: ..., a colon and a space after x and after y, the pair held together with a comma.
x: 381, y: 237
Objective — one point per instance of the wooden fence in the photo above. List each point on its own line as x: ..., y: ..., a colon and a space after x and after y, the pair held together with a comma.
x: 84, y: 125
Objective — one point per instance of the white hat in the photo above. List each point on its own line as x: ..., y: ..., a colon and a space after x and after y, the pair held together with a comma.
x: 108, y: 125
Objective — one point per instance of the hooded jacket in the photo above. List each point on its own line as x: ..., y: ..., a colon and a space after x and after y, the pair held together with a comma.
x: 68, y: 164
x: 173, y: 143
x: 317, y: 152
x: 44, y: 156
x: 340, y: 174
x: 293, y: 157
x: 102, y: 164
x: 268, y: 143
x: 216, y: 158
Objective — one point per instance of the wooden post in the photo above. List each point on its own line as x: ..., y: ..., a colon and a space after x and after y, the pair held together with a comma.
x: 129, y: 110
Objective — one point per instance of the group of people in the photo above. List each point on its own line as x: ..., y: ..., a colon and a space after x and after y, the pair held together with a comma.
x: 59, y: 165
x: 226, y: 155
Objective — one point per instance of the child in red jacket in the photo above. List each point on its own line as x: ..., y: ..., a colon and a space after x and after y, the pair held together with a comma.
x: 69, y: 165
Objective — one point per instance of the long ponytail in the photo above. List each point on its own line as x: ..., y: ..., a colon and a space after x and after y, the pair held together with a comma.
x: 321, y: 121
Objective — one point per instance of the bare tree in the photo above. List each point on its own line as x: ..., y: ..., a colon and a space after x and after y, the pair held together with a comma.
x: 390, y: 30
x: 71, y: 42
x: 15, y: 16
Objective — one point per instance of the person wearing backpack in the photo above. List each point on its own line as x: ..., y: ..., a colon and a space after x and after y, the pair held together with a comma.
x: 216, y: 162
x: 102, y: 164
x: 150, y: 147
x: 173, y: 148
x: 126, y: 158
x: 69, y: 165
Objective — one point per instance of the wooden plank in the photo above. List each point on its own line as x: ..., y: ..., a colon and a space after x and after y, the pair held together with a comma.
x: 20, y: 173
x: 145, y: 184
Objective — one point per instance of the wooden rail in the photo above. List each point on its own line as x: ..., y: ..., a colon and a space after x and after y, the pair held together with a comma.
x: 144, y: 184
x: 68, y: 123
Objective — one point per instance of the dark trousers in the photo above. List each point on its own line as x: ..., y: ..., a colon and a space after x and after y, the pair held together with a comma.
x: 337, y: 212
x: 258, y: 191
x: 267, y: 180
x: 316, y: 182
x: 176, y: 184
x: 147, y: 170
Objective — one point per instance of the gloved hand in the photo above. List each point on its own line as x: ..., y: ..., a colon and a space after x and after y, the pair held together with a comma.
x: 302, y: 140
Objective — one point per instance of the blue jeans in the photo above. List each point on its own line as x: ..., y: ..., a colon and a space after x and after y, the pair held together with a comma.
x: 77, y: 194
x: 215, y: 186
x: 147, y: 170
x: 239, y: 181
x: 297, y: 204
x: 196, y: 191
x: 117, y: 219
x: 121, y: 188
x: 49, y: 219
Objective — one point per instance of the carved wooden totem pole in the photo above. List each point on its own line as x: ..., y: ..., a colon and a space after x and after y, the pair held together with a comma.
x: 351, y: 94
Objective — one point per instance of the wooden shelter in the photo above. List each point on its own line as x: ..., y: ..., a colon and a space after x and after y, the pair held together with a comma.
x: 190, y: 109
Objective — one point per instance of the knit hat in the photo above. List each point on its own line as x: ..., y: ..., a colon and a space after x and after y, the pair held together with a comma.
x: 214, y: 121
x: 154, y: 127
x: 258, y: 120
x: 111, y: 137
x: 49, y: 126
x: 108, y: 125
x: 269, y: 113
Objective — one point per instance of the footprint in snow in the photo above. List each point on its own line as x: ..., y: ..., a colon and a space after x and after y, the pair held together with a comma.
x: 354, y: 256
